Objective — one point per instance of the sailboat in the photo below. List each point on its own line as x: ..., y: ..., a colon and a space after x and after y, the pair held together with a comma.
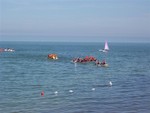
x: 106, y: 48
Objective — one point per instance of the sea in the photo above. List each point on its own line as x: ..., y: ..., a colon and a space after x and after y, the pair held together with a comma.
x: 32, y: 83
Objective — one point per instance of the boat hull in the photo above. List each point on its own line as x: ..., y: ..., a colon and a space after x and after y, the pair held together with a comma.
x: 103, y: 50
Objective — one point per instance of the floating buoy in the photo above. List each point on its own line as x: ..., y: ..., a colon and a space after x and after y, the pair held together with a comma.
x: 42, y: 93
x: 71, y: 91
x: 110, y: 83
x: 56, y: 92
x: 93, y: 89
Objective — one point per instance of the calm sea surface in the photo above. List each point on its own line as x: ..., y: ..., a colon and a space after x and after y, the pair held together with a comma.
x: 25, y: 73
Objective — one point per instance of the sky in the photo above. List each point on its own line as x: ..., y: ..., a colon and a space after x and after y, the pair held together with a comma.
x: 75, y: 20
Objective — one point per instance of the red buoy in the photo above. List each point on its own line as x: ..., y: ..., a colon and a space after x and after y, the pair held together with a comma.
x: 42, y: 93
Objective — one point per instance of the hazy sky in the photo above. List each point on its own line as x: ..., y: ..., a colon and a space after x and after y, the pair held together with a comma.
x: 75, y: 20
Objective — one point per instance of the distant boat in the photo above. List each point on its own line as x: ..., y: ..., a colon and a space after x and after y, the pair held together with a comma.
x: 9, y: 50
x: 106, y: 48
x: 102, y: 64
x: 53, y: 56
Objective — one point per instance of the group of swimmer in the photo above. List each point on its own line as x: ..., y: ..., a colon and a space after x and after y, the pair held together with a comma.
x: 87, y: 59
x: 90, y: 59
x: 84, y: 60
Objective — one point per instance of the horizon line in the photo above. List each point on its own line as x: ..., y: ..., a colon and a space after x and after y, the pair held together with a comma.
x: 74, y: 41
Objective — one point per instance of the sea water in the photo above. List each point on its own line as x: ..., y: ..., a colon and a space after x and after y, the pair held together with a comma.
x: 74, y: 88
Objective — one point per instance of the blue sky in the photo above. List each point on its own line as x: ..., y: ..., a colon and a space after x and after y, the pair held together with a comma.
x: 75, y: 20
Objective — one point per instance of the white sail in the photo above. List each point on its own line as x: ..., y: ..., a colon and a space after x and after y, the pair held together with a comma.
x: 106, y: 46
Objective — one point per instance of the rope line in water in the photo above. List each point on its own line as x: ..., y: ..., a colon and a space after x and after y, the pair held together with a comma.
x: 72, y: 91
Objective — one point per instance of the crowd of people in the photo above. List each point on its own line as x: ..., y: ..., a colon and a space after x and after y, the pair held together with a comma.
x: 84, y: 60
x: 90, y: 59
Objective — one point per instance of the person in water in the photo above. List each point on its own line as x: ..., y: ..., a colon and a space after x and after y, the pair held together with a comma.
x: 97, y: 62
x: 103, y: 62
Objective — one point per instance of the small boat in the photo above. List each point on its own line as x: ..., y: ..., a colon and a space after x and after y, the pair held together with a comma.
x: 9, y: 50
x: 52, y: 56
x: 101, y: 64
x: 104, y: 65
x: 106, y: 48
